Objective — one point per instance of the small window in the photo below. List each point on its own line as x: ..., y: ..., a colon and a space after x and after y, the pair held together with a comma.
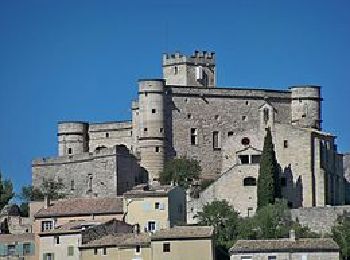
x: 216, y: 117
x: 266, y: 115
x: 146, y: 94
x: 72, y: 185
x: 176, y: 70
x: 230, y: 133
x: 138, y: 249
x: 216, y: 140
x: 70, y: 251
x: 247, y: 103
x: 107, y: 135
x: 145, y: 129
x: 156, y: 205
x: 46, y: 225
x: 256, y: 158
x: 151, y: 226
x: 57, y: 240
x: 157, y: 149
x: 244, y: 118
x: 244, y: 159
x: 95, y: 251
x: 161, y: 130
x: 104, y: 251
x: 48, y: 256
x: 303, y: 116
x: 246, y: 257
x: 166, y: 247
x: 249, y: 181
x: 271, y: 257
x: 194, y: 136
x: 70, y: 150
x: 153, y: 111
x: 245, y: 141
x: 189, y: 116
x: 26, y: 249
x: 285, y: 143
x: 90, y: 183
x: 11, y: 250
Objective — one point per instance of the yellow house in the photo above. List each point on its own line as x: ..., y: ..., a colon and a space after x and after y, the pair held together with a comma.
x: 178, y: 243
x: 154, y: 208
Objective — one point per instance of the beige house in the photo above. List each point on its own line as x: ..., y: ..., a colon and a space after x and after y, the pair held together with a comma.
x: 155, y: 207
x: 287, y: 249
x: 17, y: 246
x: 178, y: 243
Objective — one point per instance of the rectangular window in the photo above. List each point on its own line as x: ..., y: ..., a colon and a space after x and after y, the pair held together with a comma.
x: 157, y: 149
x: 271, y: 257
x: 216, y: 141
x: 11, y: 250
x: 70, y: 251
x: 95, y: 251
x: 48, y: 256
x: 156, y: 205
x: 194, y: 136
x: 46, y: 225
x: 72, y: 185
x: 166, y: 247
x: 151, y: 226
x: 256, y: 158
x: 246, y: 257
x: 26, y: 249
x: 104, y: 251
x: 230, y: 133
x: 138, y: 249
x: 153, y: 111
x: 90, y: 183
x: 57, y: 240
x: 285, y: 143
x: 244, y: 159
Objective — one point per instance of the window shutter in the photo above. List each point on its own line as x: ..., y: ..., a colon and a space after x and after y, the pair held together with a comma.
x: 32, y: 249
x: 2, y: 250
x: 161, y: 206
x: 19, y: 249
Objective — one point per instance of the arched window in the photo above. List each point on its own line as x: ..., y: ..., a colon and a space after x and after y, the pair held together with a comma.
x: 249, y: 181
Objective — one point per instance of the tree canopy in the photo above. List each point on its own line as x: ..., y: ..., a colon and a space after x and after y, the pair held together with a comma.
x: 181, y: 171
x: 268, y: 188
x: 6, y: 192
x: 341, y: 235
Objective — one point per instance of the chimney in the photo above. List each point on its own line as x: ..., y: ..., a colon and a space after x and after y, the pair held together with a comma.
x: 292, y: 235
x: 47, y: 202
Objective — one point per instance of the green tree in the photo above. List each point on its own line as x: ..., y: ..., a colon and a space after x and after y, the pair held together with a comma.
x: 268, y: 188
x: 181, y: 171
x: 6, y: 192
x: 341, y: 235
x: 224, y: 219
x: 30, y: 193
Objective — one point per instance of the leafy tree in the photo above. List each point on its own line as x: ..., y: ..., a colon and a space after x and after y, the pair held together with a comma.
x: 6, y: 192
x: 181, y: 171
x: 268, y: 182
x: 341, y: 235
x: 224, y: 219
x: 4, y: 227
x: 30, y: 193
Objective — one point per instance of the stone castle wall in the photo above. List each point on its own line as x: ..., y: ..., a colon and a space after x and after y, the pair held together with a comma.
x: 110, y: 171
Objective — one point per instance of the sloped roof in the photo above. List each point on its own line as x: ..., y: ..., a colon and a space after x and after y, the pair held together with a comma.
x: 299, y: 245
x: 118, y: 239
x: 184, y: 232
x: 82, y: 206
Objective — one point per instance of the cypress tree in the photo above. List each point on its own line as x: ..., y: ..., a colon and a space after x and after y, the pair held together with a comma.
x: 268, y: 182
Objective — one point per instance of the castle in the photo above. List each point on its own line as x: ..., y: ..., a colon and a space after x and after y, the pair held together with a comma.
x: 185, y: 114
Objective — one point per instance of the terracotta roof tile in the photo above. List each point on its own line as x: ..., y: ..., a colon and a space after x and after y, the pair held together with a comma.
x: 82, y: 206
x: 181, y: 232
x: 308, y: 244
x: 128, y: 239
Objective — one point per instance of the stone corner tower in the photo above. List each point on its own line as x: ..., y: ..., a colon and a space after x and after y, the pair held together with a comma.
x: 73, y: 137
x: 196, y: 70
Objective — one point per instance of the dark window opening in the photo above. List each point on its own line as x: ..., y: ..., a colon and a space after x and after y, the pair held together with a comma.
x: 107, y: 135
x: 256, y: 158
x: 166, y: 247
x: 216, y: 141
x: 138, y: 249
x: 156, y: 205
x: 145, y: 129
x: 57, y: 240
x: 303, y: 116
x: 194, y: 136
x: 70, y: 150
x: 247, y: 103
x: 285, y: 143
x: 153, y: 111
x: 176, y: 70
x: 189, y: 116
x: 244, y: 159
x: 266, y: 115
x: 104, y: 251
x: 249, y: 181
x: 72, y: 185
x: 90, y: 183
x: 244, y: 118
x: 216, y: 117
x: 245, y: 141
x: 95, y: 251
x: 26, y: 249
x: 146, y: 94
x: 161, y: 130
x: 157, y: 149
x: 230, y: 133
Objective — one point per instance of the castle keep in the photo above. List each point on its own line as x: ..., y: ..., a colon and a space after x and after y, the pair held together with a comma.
x: 185, y: 114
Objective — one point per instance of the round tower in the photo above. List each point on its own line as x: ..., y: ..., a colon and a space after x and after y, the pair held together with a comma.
x: 306, y: 106
x: 72, y: 137
x: 151, y: 123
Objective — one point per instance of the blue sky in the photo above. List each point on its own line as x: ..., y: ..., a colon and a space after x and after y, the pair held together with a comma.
x: 80, y: 60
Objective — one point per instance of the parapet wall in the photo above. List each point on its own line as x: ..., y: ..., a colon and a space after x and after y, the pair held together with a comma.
x: 319, y: 219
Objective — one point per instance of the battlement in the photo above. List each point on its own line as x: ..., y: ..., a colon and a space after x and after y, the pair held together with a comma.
x: 197, y: 58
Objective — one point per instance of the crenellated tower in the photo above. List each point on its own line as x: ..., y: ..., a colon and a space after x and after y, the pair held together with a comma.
x: 72, y: 137
x: 151, y: 121
x: 306, y: 106
x: 197, y: 70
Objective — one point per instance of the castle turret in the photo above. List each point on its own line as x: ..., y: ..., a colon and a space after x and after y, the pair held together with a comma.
x: 197, y: 70
x: 151, y: 120
x: 72, y: 137
x: 306, y: 106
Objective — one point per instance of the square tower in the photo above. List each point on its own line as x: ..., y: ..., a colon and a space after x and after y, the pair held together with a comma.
x: 197, y: 70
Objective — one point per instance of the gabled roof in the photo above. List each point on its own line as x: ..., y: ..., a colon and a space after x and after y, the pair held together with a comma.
x: 82, y: 207
x: 285, y: 245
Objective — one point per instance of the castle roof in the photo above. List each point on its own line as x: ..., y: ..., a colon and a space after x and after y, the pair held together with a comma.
x: 82, y: 206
